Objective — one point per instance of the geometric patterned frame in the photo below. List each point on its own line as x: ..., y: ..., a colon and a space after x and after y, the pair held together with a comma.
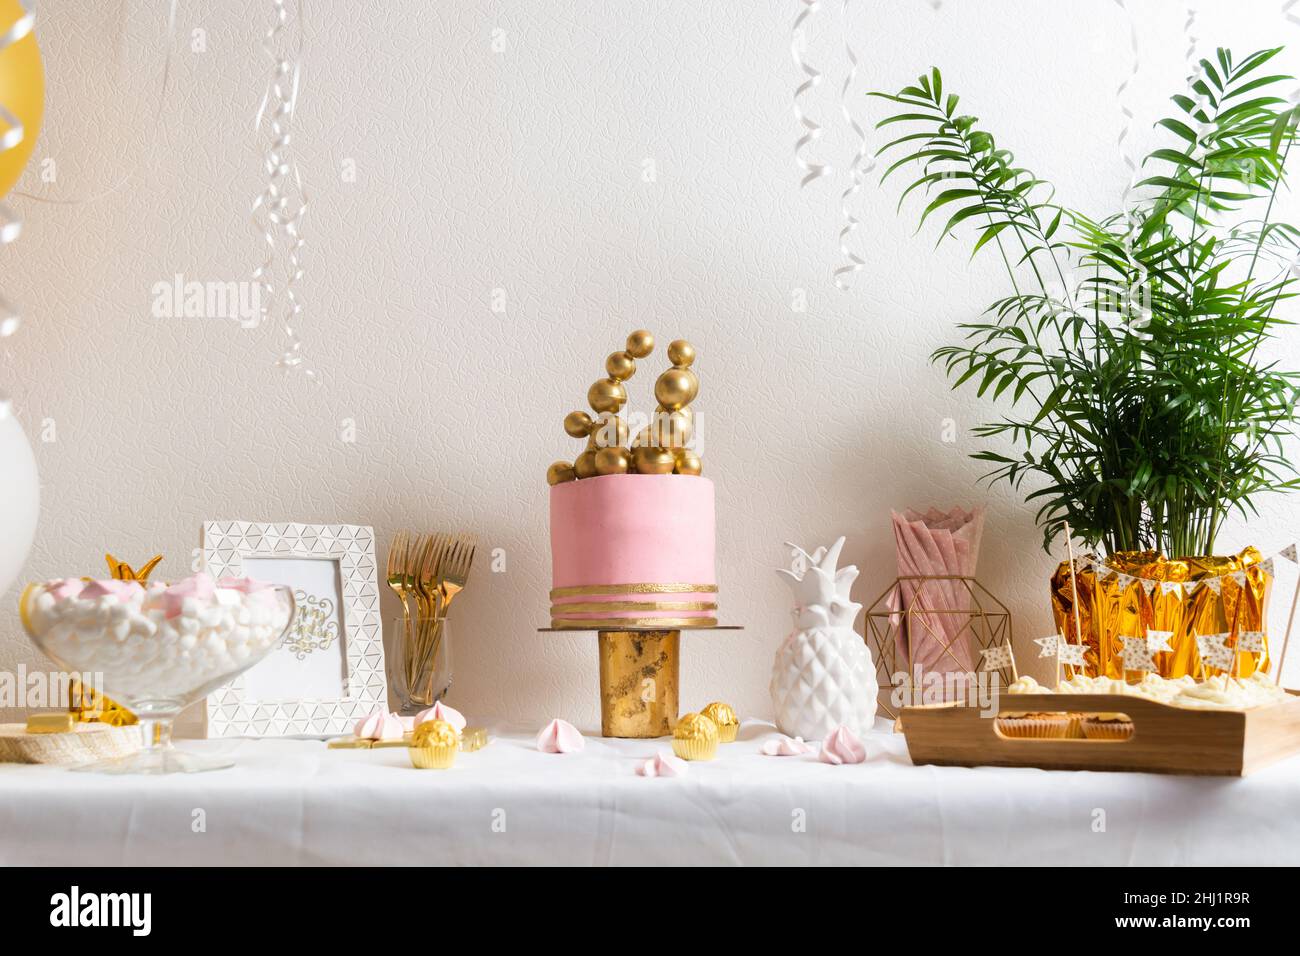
x: 224, y: 546
x: 982, y: 623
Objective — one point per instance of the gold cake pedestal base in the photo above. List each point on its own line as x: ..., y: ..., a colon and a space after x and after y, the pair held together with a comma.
x: 639, y: 672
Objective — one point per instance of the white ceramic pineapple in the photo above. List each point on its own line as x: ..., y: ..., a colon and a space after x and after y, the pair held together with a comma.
x: 823, y: 675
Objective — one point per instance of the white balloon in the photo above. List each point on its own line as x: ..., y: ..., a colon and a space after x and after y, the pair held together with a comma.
x: 19, y: 499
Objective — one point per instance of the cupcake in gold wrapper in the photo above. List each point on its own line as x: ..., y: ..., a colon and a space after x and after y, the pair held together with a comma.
x: 695, y: 738
x: 725, y: 717
x: 434, y: 745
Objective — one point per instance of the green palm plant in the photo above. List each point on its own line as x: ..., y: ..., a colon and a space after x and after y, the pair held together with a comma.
x: 1141, y: 409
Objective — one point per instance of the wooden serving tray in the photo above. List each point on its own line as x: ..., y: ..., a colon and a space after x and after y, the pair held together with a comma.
x: 1165, y: 739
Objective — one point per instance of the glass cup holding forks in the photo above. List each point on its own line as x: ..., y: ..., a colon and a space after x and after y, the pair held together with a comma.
x: 420, y: 672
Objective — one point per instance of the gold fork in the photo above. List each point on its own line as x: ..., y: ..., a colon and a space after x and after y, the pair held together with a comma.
x: 429, y: 599
x: 396, y: 576
x: 453, y: 575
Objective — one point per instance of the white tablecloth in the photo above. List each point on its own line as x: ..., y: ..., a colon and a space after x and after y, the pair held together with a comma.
x: 295, y: 802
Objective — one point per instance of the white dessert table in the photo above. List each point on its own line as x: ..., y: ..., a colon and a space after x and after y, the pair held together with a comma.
x: 292, y: 802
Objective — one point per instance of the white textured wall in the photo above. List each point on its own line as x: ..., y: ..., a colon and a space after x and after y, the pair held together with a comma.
x: 523, y: 170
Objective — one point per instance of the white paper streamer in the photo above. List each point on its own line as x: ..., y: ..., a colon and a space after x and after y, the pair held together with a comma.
x: 811, y: 129
x: 11, y: 226
x: 857, y: 169
x: 1138, y: 317
x: 279, y: 209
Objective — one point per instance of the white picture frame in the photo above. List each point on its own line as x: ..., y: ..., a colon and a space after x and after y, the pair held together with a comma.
x: 328, y: 673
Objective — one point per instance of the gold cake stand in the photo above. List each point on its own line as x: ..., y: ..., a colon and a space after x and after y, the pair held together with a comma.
x: 639, y: 670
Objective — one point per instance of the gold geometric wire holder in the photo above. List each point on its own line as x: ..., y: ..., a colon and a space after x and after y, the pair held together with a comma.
x: 985, y: 624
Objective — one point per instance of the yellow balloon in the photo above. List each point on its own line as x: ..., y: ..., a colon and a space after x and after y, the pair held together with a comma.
x: 22, y: 92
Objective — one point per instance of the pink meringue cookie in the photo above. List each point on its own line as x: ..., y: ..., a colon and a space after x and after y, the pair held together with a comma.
x: 783, y: 746
x: 199, y: 586
x: 65, y: 588
x: 440, y: 711
x: 662, y: 764
x: 842, y: 746
x: 560, y: 737
x: 122, y: 590
x: 379, y: 725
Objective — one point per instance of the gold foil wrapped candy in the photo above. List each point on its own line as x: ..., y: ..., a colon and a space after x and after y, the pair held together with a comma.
x: 434, y: 745
x: 1108, y: 613
x: 725, y: 718
x: 695, y: 737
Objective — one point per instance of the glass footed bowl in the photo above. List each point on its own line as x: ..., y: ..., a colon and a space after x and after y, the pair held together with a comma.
x: 156, y: 649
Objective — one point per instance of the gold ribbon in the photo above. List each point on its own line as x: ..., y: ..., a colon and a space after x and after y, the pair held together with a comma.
x: 616, y: 623
x: 588, y: 606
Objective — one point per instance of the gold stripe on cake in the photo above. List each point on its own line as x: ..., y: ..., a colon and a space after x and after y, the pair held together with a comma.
x: 614, y: 623
x: 634, y: 606
x: 583, y: 589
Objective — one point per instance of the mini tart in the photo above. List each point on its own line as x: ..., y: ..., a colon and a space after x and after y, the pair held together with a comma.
x: 1033, y: 726
x: 1107, y: 727
x: 434, y: 745
x: 725, y: 717
x: 695, y: 738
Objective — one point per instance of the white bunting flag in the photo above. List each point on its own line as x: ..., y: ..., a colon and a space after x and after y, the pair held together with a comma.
x: 1136, y: 655
x: 1267, y: 566
x: 1048, y: 645
x: 1214, y: 584
x: 1158, y: 641
x: 1124, y: 580
x: 996, y: 657
x: 1251, y: 641
x: 1148, y: 585
x: 1240, y: 578
x: 1215, y: 651
x: 1168, y: 587
x: 1190, y: 586
x: 1289, y: 553
x: 1071, y: 653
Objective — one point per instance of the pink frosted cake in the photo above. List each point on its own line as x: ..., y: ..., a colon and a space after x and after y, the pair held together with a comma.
x: 633, y: 550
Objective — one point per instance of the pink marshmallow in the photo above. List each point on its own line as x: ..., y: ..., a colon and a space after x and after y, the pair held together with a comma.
x: 65, y: 588
x: 122, y: 590
x: 199, y: 587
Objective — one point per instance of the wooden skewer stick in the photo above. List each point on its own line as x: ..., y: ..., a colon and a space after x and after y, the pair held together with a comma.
x: 1281, y: 661
x: 1074, y: 593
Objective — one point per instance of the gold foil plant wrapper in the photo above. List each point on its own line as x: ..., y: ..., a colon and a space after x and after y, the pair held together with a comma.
x: 1107, y: 612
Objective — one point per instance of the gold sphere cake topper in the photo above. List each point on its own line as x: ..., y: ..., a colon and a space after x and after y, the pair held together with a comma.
x: 613, y: 461
x: 560, y: 472
x: 640, y: 344
x: 725, y: 717
x: 653, y: 461
x: 606, y: 395
x: 620, y: 366
x: 577, y: 424
x: 695, y: 737
x: 660, y: 447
